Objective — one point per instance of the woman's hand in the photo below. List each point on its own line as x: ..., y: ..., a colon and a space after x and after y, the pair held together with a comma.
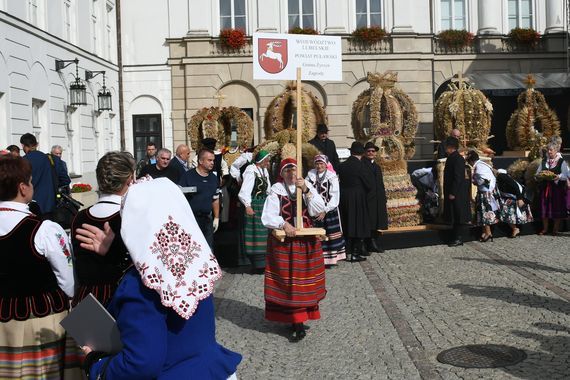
x: 86, y: 349
x: 290, y: 231
x: 520, y: 203
x: 321, y: 216
x: 95, y: 239
x: 249, y: 211
x: 301, y: 185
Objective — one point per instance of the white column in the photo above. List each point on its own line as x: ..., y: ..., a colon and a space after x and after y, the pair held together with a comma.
x: 336, y: 12
x: 200, y: 17
x: 267, y: 15
x: 489, y: 13
x: 403, y: 16
x: 554, y: 16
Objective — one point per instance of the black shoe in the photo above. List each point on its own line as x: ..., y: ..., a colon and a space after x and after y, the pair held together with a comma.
x: 455, y: 243
x: 371, y: 245
x: 363, y: 251
x: 298, y: 332
x: 356, y: 258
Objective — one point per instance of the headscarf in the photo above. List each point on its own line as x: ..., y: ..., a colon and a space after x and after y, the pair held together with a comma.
x: 285, y: 163
x: 167, y: 246
x: 325, y: 159
x: 261, y: 155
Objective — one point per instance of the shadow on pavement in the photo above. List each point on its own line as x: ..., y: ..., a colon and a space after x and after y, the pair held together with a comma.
x: 518, y: 263
x: 249, y: 317
x: 512, y: 296
x: 549, y: 363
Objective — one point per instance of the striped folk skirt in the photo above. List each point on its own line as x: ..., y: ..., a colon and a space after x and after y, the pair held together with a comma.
x: 38, y: 348
x: 294, y: 279
x: 333, y: 248
x: 255, y: 235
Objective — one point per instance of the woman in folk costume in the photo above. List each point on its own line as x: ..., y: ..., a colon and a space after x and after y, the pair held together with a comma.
x: 486, y: 204
x: 325, y: 181
x: 96, y: 274
x: 514, y: 209
x: 36, y: 282
x: 163, y: 305
x: 553, y: 188
x: 295, y: 270
x: 253, y: 192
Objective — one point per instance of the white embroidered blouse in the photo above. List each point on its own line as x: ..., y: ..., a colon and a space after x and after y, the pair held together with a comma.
x: 249, y: 181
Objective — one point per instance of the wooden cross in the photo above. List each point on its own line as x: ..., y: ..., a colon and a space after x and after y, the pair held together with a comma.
x: 220, y: 97
x: 530, y: 81
x: 460, y: 79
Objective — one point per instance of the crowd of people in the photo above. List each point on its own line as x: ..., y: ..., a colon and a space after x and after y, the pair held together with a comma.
x: 154, y: 267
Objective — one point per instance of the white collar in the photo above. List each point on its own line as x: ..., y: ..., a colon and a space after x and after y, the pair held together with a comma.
x: 18, y: 206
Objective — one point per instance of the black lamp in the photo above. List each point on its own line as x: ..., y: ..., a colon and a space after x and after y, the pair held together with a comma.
x: 77, y: 89
x: 104, y: 97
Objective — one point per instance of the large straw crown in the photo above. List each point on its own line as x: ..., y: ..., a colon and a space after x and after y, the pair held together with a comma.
x: 384, y: 80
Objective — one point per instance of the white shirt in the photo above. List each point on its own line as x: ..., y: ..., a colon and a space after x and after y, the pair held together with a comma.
x: 242, y: 160
x: 249, y: 175
x: 50, y: 241
x: 334, y: 188
x: 482, y: 172
x: 271, y: 216
x: 104, y: 210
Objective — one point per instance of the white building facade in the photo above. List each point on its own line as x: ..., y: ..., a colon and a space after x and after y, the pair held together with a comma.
x: 201, y: 68
x: 34, y: 96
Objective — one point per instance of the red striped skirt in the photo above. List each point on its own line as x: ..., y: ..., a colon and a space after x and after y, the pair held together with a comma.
x: 294, y: 279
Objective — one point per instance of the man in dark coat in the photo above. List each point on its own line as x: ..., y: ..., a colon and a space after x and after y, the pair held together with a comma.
x: 42, y: 175
x: 326, y: 146
x: 355, y: 183
x: 377, y: 211
x: 456, y: 186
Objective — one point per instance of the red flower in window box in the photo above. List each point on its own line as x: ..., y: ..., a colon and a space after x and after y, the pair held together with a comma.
x: 524, y: 36
x: 299, y: 30
x: 369, y: 35
x: 456, y: 39
x: 233, y: 38
x: 81, y: 188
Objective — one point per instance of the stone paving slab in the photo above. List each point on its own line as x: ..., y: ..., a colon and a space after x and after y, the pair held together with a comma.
x: 389, y: 317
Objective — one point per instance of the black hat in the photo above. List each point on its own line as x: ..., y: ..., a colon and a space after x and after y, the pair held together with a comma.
x: 322, y: 128
x: 357, y: 148
x: 371, y: 145
x: 209, y: 143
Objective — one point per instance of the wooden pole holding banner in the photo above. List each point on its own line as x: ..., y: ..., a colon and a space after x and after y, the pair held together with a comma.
x: 299, y: 216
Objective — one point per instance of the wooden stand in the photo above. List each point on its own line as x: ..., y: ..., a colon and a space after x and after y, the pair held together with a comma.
x: 319, y: 232
x: 422, y: 227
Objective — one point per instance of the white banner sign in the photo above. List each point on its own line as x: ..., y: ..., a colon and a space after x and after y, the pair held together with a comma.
x: 277, y: 56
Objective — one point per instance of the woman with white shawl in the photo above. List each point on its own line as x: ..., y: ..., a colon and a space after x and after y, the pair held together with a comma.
x: 486, y: 204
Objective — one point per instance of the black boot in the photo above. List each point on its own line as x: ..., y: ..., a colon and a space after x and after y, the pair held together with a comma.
x: 298, y: 332
x: 371, y: 245
x: 378, y: 245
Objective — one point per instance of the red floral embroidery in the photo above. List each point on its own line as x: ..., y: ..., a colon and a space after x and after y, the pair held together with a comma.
x: 176, y: 249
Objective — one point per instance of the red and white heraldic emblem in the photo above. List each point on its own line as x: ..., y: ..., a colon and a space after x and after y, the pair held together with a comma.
x: 272, y: 54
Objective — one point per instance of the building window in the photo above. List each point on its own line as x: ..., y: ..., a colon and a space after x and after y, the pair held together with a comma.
x: 452, y: 14
x: 109, y: 31
x: 94, y: 26
x: 33, y: 12
x: 36, y: 113
x: 301, y: 14
x: 368, y: 13
x: 520, y: 14
x: 232, y: 14
x: 146, y: 128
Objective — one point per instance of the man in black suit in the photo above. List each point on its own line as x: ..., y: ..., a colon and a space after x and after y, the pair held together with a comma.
x: 355, y: 183
x: 377, y: 210
x: 456, y: 185
x: 326, y: 146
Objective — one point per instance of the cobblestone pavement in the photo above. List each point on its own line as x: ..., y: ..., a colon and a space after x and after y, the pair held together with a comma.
x: 389, y: 317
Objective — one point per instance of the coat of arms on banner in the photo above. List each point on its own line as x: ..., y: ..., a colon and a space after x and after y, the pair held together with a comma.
x: 272, y: 54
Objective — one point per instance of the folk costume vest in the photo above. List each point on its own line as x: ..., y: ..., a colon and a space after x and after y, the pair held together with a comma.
x: 289, y: 210
x: 28, y: 286
x: 97, y: 274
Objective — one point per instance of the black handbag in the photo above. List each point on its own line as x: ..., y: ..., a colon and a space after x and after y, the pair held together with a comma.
x: 65, y: 210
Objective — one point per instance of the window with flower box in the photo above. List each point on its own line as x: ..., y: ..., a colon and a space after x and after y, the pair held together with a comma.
x: 301, y: 14
x: 520, y: 14
x: 368, y: 13
x: 233, y: 15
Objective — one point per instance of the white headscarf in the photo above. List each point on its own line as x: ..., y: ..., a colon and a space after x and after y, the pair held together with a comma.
x: 167, y: 246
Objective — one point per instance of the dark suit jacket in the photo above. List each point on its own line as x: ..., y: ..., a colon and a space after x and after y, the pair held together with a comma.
x: 42, y: 179
x: 175, y: 163
x: 328, y: 148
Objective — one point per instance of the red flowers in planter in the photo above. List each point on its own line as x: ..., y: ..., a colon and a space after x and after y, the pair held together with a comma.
x: 524, y: 36
x: 80, y: 188
x: 455, y: 39
x: 299, y: 30
x: 233, y: 38
x: 369, y: 35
